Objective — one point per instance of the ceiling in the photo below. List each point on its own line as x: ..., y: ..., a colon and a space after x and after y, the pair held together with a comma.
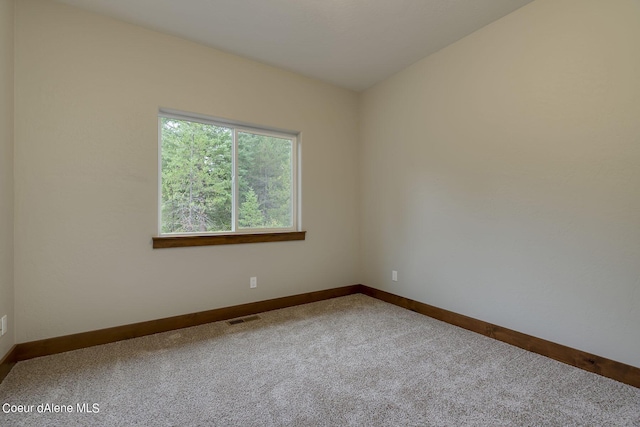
x: 350, y: 43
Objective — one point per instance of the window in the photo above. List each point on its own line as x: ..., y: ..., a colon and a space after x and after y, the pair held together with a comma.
x: 221, y: 178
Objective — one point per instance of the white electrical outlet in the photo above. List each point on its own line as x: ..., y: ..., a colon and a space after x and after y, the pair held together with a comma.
x: 253, y: 282
x: 4, y: 324
x: 394, y: 275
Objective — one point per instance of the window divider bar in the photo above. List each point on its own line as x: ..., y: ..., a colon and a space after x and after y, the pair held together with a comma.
x: 235, y: 189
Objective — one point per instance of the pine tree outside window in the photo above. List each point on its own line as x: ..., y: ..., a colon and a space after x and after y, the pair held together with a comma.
x: 218, y: 177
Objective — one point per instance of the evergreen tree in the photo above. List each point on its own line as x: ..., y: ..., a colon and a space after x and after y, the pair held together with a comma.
x: 196, y: 178
x: 250, y: 215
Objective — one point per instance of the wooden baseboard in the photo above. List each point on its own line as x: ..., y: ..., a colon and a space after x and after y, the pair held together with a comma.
x: 7, y: 362
x: 589, y: 362
x: 55, y: 345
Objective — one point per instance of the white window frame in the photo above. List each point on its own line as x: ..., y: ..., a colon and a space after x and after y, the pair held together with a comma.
x: 236, y: 127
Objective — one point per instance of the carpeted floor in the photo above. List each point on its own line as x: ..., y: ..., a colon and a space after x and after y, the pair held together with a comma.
x: 351, y: 361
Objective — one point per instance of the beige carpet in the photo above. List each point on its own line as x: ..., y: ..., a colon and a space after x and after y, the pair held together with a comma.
x: 351, y: 361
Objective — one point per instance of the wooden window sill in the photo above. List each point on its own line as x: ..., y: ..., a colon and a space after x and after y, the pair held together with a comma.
x: 162, y: 242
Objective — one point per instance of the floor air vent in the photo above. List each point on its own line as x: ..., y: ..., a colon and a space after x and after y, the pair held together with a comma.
x: 243, y: 320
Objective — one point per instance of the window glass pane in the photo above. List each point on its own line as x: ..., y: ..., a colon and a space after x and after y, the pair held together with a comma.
x: 196, y: 177
x: 265, y: 187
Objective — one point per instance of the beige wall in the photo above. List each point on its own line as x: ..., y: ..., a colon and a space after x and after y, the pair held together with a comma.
x: 6, y: 172
x: 501, y: 176
x: 88, y: 91
x: 498, y: 176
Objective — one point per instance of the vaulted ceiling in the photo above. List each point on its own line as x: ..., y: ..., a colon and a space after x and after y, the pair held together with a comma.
x: 350, y: 43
